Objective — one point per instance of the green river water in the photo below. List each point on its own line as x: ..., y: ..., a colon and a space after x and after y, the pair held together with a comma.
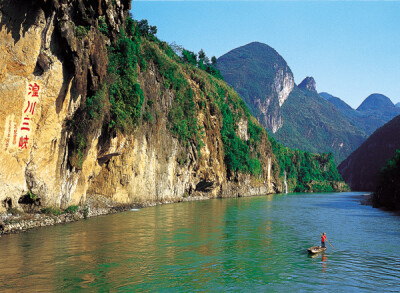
x: 254, y: 244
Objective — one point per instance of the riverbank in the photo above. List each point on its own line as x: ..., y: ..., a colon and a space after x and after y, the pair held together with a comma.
x: 18, y: 221
x: 366, y: 198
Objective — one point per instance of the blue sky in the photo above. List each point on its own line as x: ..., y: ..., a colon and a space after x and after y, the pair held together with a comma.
x: 352, y: 49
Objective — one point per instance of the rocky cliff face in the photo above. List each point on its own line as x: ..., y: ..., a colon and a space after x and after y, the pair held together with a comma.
x: 53, y: 57
x: 262, y: 77
x: 308, y: 84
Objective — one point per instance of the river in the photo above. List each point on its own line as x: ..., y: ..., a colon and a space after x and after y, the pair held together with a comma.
x: 248, y: 244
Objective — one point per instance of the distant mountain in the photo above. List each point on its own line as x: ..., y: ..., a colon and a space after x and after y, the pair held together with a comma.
x: 374, y: 102
x: 361, y: 168
x: 263, y: 79
x: 295, y: 115
x: 398, y: 104
x: 311, y: 123
x: 374, y: 111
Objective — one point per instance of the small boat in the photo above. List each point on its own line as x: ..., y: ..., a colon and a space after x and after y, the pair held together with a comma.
x: 316, y: 249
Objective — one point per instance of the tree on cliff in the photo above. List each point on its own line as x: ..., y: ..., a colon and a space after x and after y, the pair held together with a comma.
x: 146, y: 29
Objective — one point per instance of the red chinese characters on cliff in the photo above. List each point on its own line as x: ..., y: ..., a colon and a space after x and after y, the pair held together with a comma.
x: 34, y: 90
x: 23, y: 142
x: 33, y: 97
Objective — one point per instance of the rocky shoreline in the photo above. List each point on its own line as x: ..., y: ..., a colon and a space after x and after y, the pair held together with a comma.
x: 17, y: 222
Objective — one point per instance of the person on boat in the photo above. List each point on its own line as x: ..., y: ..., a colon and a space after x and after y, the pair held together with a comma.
x: 323, y: 239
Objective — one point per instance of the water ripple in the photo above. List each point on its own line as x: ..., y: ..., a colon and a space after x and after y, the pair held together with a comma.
x: 248, y: 244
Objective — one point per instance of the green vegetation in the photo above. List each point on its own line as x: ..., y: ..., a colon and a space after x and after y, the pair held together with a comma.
x: 85, y: 212
x: 78, y: 142
x: 199, y: 60
x: 240, y: 156
x: 146, y: 30
x: 202, y: 62
x: 103, y: 27
x: 305, y: 171
x: 182, y: 116
x: 317, y: 127
x: 126, y: 96
x: 368, y: 120
x: 309, y: 122
x: 81, y: 31
x: 87, y: 119
x: 71, y: 209
x: 56, y: 211
x: 388, y: 189
x: 251, y: 70
x: 51, y: 211
x: 147, y: 117
x: 32, y: 196
x: 118, y: 107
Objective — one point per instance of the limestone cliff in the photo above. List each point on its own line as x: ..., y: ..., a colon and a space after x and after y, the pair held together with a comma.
x: 54, y: 58
x: 262, y: 77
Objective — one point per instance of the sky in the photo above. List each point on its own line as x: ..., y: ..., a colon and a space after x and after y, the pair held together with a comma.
x: 351, y: 48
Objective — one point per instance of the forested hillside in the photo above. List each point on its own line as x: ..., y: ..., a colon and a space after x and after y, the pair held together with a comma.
x: 295, y: 116
x: 314, y: 125
x: 360, y: 170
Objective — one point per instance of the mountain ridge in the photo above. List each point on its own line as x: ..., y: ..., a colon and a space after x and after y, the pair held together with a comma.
x: 373, y: 112
x: 335, y: 135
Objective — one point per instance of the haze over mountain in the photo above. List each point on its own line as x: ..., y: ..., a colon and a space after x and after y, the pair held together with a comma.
x: 295, y: 115
x: 360, y: 170
x: 373, y: 112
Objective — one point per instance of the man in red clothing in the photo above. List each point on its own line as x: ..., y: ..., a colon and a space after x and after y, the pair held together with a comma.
x: 323, y: 239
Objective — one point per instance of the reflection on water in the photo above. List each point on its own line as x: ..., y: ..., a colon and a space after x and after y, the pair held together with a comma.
x: 324, y: 258
x: 240, y: 244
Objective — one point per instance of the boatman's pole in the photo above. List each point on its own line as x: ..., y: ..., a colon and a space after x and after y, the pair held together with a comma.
x: 330, y: 244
